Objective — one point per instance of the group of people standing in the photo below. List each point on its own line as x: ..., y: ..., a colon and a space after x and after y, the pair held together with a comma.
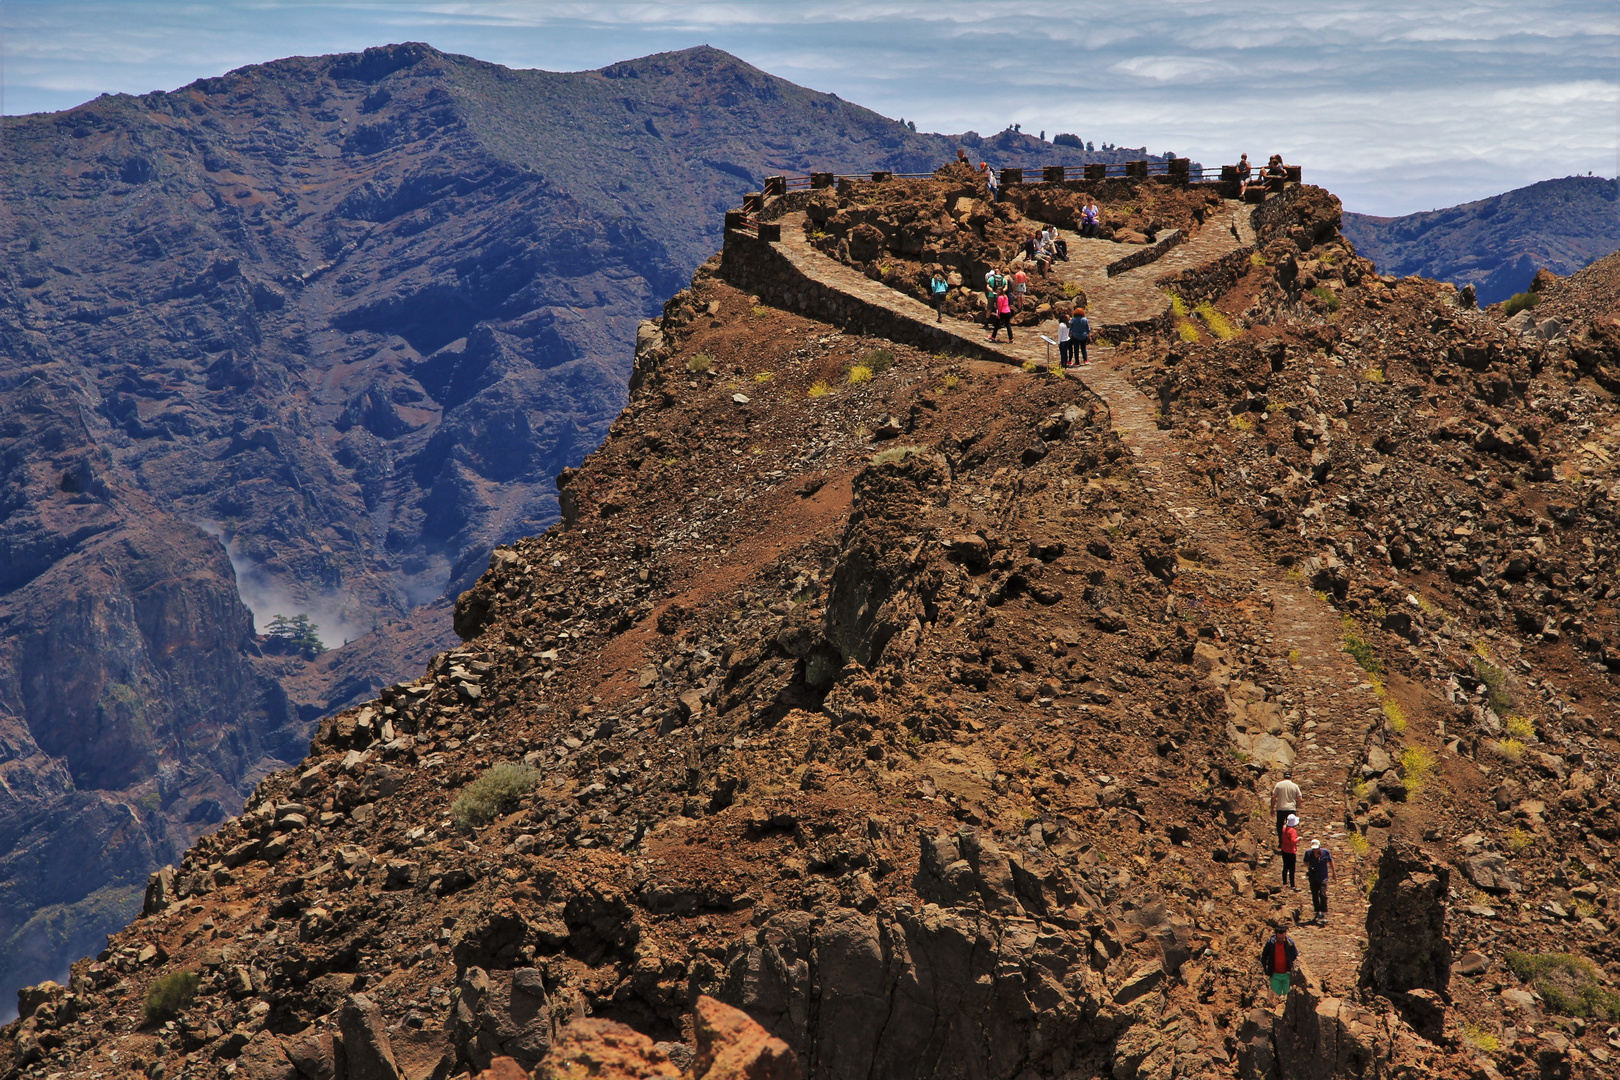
x: 1004, y: 295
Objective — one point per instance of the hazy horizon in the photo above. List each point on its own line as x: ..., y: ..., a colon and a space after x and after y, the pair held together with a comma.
x: 1395, y: 110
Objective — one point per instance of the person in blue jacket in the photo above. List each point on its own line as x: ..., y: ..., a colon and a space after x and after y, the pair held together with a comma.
x: 1079, y: 338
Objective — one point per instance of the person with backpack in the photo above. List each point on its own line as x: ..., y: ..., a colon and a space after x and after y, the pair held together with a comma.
x: 1289, y: 845
x: 939, y: 288
x: 1318, y: 872
x: 1277, y: 959
x: 1003, y: 315
x: 1079, y: 337
x: 1065, y: 349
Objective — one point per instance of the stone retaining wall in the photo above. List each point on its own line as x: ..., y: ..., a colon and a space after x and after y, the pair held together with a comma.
x: 1144, y: 255
x: 758, y: 267
x: 1206, y: 282
x: 1275, y: 213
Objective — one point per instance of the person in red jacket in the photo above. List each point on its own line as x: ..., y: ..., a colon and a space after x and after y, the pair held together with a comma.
x: 1290, y: 849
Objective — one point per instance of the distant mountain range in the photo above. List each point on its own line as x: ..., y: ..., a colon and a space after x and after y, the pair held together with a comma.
x: 1499, y: 243
x: 316, y: 335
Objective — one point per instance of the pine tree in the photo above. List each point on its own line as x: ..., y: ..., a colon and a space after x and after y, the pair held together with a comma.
x: 298, y: 634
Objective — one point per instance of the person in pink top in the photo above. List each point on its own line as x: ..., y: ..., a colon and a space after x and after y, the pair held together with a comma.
x: 1003, y: 315
x: 1290, y: 850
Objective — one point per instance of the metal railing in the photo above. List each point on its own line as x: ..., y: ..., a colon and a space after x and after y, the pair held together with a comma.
x: 1181, y: 169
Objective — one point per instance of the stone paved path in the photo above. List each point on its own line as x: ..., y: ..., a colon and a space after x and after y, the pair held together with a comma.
x: 1330, y: 705
x: 1132, y: 296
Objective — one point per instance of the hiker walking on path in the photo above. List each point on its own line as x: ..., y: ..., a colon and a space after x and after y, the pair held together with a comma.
x: 1289, y: 845
x: 1284, y: 800
x: 1277, y: 959
x: 1079, y: 338
x: 1064, y: 344
x: 939, y: 288
x: 1318, y: 872
x: 1002, y: 316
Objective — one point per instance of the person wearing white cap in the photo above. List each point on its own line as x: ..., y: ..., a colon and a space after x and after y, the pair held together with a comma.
x: 1318, y: 872
x: 1290, y: 849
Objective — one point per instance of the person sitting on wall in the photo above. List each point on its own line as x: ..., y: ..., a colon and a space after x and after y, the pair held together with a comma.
x: 1276, y: 174
x: 1089, y: 218
x: 1243, y: 169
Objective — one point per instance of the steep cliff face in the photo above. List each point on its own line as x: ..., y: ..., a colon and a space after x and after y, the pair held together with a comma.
x: 927, y: 706
x: 130, y: 716
x: 349, y: 315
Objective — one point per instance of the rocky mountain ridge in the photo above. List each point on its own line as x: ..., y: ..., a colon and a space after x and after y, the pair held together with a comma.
x: 348, y: 316
x: 1497, y: 244
x: 924, y: 706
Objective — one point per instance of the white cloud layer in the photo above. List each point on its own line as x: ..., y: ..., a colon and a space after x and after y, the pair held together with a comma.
x: 1395, y: 106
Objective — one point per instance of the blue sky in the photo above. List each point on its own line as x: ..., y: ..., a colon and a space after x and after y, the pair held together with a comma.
x: 1395, y: 106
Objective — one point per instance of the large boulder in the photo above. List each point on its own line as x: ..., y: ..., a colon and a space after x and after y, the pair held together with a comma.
x: 1491, y: 873
x: 606, y: 1050
x: 1406, y: 924
x: 731, y: 1046
x: 500, y: 1014
x: 366, y: 1047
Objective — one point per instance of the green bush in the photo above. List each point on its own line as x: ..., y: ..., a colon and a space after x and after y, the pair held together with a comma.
x: 1567, y: 983
x: 495, y: 793
x: 1518, y: 302
x: 1360, y: 649
x: 700, y: 362
x: 894, y: 455
x: 167, y: 996
x: 1496, y: 691
x: 879, y: 360
x: 1327, y: 296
